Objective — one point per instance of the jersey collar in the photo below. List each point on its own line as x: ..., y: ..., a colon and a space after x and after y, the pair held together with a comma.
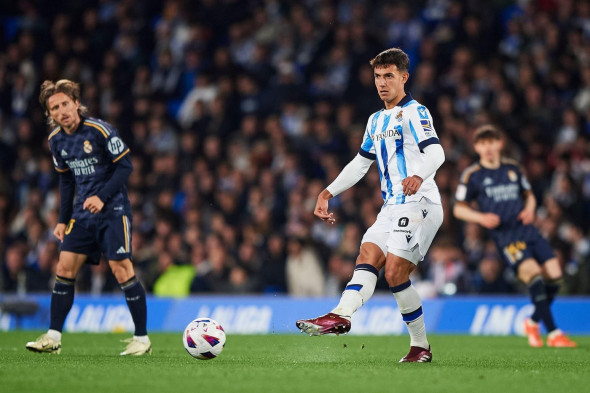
x: 405, y: 100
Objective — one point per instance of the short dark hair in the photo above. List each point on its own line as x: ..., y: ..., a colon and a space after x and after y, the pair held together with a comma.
x: 487, y: 132
x: 392, y: 56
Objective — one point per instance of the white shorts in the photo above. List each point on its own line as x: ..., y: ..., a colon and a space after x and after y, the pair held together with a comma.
x: 406, y: 230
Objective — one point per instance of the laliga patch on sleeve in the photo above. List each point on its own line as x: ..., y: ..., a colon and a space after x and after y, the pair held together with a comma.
x: 426, y: 126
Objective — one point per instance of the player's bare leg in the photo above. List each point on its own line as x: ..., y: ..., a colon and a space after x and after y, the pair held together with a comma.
x: 357, y: 292
x: 62, y: 299
x: 397, y: 274
x: 135, y: 297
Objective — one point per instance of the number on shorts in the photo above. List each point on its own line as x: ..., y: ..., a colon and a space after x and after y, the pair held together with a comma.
x: 70, y: 226
x: 513, y: 251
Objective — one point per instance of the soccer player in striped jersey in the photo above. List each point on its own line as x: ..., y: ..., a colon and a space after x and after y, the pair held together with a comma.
x: 402, y: 139
x: 93, y: 164
x: 506, y: 206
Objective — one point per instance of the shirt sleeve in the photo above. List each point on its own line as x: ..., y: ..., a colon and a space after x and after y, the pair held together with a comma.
x: 58, y: 162
x: 524, y: 182
x: 115, y: 146
x: 421, y: 126
x: 367, y: 149
x: 466, y: 190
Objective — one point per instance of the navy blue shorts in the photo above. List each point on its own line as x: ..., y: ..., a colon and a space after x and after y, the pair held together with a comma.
x: 536, y: 247
x: 110, y: 236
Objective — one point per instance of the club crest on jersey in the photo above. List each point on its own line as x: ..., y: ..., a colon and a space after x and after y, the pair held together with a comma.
x: 87, y: 147
x: 512, y: 175
x: 399, y: 116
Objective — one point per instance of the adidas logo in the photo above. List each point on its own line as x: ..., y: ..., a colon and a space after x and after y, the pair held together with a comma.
x: 64, y: 153
x: 121, y: 250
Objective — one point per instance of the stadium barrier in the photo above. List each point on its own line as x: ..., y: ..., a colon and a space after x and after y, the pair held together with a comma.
x: 277, y: 314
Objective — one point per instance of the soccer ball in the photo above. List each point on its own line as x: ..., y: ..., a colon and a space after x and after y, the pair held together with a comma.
x: 204, y: 338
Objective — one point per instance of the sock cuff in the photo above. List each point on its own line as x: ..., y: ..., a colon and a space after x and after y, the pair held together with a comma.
x: 367, y: 267
x: 400, y: 287
x: 129, y: 283
x: 65, y: 280
x: 554, y: 281
x: 536, y: 280
x: 413, y: 315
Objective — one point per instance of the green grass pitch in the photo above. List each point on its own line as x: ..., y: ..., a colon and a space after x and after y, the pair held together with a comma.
x: 294, y: 363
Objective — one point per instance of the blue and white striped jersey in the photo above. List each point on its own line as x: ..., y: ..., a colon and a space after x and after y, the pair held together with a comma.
x: 396, y: 138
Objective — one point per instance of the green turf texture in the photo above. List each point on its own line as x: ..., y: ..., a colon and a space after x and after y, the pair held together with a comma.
x: 294, y: 363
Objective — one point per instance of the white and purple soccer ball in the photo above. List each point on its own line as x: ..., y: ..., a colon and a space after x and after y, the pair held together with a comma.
x: 204, y: 338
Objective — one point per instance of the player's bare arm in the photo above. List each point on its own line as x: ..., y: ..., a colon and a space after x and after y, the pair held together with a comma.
x: 321, y: 207
x: 464, y: 212
x: 527, y: 215
x: 349, y: 176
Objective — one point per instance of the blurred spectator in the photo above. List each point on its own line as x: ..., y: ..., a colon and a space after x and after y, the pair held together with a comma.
x: 490, y: 278
x: 305, y: 275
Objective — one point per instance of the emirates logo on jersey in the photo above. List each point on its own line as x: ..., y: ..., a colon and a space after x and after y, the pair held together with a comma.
x: 87, y: 147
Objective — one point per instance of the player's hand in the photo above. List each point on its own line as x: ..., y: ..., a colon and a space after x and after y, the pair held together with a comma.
x: 93, y: 204
x: 60, y: 231
x: 411, y: 184
x: 489, y: 220
x: 321, y: 208
x: 526, y: 216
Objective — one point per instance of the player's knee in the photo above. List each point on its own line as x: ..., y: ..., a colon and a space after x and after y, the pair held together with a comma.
x: 552, y: 270
x: 122, y: 270
x: 371, y: 254
x: 396, y: 274
x: 529, y: 269
x: 65, y: 270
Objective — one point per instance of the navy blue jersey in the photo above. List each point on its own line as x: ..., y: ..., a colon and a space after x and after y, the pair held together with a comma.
x: 498, y: 191
x: 91, y: 153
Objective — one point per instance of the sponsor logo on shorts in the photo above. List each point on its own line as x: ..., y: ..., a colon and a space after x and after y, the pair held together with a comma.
x: 408, y: 238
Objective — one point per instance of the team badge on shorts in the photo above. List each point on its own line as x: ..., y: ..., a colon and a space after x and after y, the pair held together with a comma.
x: 87, y: 147
x: 512, y: 175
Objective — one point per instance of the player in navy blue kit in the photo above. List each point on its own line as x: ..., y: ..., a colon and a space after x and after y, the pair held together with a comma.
x: 506, y: 206
x: 95, y: 213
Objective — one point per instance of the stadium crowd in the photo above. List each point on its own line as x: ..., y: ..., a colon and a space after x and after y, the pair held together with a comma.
x: 238, y: 113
